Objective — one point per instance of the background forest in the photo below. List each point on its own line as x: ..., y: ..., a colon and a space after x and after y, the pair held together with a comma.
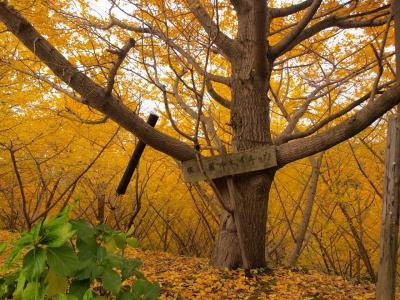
x: 324, y: 211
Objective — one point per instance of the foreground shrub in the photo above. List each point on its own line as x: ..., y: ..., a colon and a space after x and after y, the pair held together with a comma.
x: 73, y: 260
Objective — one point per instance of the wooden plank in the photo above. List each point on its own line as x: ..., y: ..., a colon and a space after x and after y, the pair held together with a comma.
x: 230, y: 164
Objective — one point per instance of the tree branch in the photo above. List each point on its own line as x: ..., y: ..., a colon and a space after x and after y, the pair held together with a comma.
x: 162, y: 36
x: 122, y: 53
x: 229, y: 46
x: 45, y: 80
x: 217, y: 97
x: 285, y: 43
x: 85, y: 121
x: 304, y: 147
x: 332, y: 21
x: 92, y: 93
x: 332, y: 117
x: 286, y: 11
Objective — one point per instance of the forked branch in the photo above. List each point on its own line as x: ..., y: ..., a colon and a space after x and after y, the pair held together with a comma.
x: 122, y: 53
x: 286, y: 11
x: 92, y: 93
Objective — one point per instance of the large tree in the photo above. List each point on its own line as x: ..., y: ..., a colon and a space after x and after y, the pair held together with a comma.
x: 299, y: 65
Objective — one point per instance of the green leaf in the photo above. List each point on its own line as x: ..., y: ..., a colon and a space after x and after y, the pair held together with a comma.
x: 61, y: 217
x: 34, y: 291
x: 89, y: 269
x: 120, y: 240
x: 110, y: 244
x: 27, y: 241
x: 57, y: 284
x: 104, y: 228
x: 34, y: 233
x: 3, y: 247
x: 79, y: 287
x: 115, y: 261
x: 86, y: 251
x: 84, y: 231
x: 111, y: 281
x: 97, y: 271
x: 20, y: 285
x: 12, y: 257
x: 8, y: 284
x: 132, y: 242
x: 57, y: 235
x: 34, y: 263
x: 101, y: 254
x: 58, y: 230
x: 85, y: 269
x: 126, y: 296
x: 130, y: 268
x: 62, y: 260
x: 88, y: 295
x: 144, y: 289
x: 64, y: 297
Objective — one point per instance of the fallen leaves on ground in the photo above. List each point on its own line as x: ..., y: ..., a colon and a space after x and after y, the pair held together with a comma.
x: 193, y: 278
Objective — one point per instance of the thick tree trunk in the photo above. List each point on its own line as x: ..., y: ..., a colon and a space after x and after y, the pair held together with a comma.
x: 250, y: 122
x: 252, y: 191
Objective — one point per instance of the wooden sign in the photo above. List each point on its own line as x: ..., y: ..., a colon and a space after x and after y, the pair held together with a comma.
x: 229, y: 164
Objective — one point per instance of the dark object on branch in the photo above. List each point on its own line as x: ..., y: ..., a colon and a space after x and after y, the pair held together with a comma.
x: 133, y: 162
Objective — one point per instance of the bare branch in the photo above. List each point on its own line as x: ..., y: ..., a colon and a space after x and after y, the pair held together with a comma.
x: 21, y: 187
x: 217, y: 97
x: 334, y: 116
x: 85, y: 121
x: 44, y: 79
x: 122, y: 53
x: 332, y: 21
x: 72, y: 185
x: 92, y: 93
x: 229, y: 46
x: 360, y: 167
x: 289, y: 38
x: 162, y: 36
x: 295, y: 150
x: 286, y: 11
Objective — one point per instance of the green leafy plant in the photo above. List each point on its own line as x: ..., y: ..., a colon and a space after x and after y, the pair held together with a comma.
x: 65, y: 259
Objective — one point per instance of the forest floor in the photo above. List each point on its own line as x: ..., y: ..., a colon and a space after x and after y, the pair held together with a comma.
x: 193, y: 278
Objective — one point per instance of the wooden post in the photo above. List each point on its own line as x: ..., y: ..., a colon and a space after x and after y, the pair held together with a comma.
x: 385, y: 289
x: 386, y: 285
x: 133, y: 162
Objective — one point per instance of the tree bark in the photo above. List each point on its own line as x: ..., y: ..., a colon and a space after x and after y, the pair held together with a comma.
x: 250, y: 120
x: 252, y: 192
x: 226, y: 253
x: 386, y: 285
x: 390, y: 214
